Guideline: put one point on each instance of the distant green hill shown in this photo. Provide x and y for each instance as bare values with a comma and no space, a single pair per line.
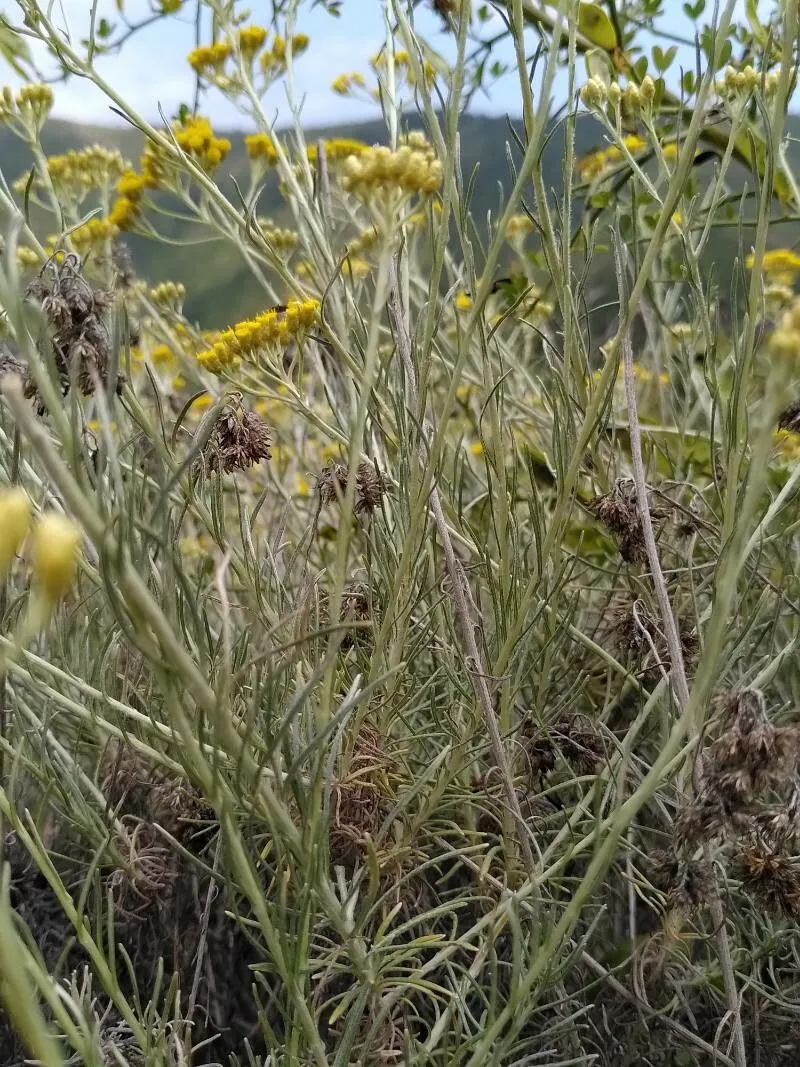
219,283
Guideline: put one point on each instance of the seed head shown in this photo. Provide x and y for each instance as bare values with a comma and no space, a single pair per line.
240,439
772,876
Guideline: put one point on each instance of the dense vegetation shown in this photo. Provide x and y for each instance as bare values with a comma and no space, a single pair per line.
398,539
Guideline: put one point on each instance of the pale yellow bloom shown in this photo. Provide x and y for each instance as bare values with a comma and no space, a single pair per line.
15,513
54,554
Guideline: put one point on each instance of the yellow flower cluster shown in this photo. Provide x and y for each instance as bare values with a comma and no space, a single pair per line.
366,239
32,104
597,163
785,341
251,39
209,57
343,84
275,327
54,544
408,169
76,172
15,507
633,99
338,149
746,81
27,257
282,240
54,554
91,234
779,263
168,294
260,146
195,136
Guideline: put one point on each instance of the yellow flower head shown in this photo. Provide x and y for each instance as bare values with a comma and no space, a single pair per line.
54,554
196,137
251,39
15,514
209,57
27,257
124,213
343,84
260,146
338,149
596,163
780,263
272,329
407,170
92,233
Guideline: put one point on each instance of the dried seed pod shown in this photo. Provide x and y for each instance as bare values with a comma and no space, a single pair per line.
772,876
240,439
369,490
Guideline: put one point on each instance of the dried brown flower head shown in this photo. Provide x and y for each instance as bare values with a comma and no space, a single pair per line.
332,482
750,755
240,439
576,739
619,515
118,1043
75,312
149,872
702,820
358,801
370,488
369,491
618,511
356,608
687,883
772,876
357,614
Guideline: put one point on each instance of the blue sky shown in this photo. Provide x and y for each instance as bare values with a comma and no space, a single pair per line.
151,69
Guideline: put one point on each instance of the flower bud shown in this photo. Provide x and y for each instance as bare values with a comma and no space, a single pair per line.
54,558
15,513
593,93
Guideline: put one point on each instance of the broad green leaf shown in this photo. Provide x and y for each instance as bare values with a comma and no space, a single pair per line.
595,24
